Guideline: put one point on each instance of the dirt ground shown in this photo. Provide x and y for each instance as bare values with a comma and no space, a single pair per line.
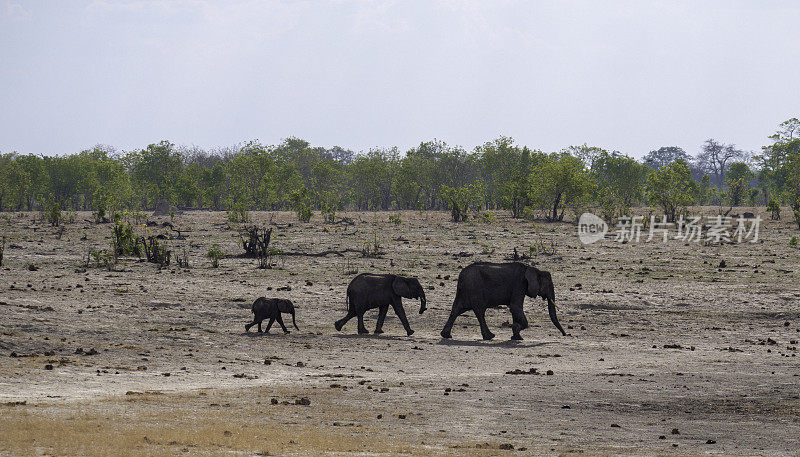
669,352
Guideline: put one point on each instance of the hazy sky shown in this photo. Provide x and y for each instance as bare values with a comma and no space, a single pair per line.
624,75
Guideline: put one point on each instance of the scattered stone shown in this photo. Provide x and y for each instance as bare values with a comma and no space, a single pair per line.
518,371
615,426
711,442
274,401
379,416
662,437
401,416
549,372
244,376
302,401
48,367
506,447
675,431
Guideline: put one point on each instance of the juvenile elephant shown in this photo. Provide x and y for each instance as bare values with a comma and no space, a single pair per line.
271,308
488,285
367,291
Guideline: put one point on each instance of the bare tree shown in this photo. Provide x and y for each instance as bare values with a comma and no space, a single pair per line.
716,157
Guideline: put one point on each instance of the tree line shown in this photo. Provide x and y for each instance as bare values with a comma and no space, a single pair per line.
499,174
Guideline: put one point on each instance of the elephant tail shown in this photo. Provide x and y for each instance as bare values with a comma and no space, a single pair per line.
293,322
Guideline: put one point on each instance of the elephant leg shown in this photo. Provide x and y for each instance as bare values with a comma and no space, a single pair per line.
271,321
520,321
381,316
401,313
247,326
340,323
280,321
361,328
448,326
480,313
259,327
458,309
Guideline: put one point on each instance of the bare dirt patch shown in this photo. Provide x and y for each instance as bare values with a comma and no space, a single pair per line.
156,362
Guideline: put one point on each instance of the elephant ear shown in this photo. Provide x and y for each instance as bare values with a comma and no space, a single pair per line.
532,277
400,287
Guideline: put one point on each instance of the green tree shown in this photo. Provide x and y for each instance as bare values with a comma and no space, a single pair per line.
672,188
505,170
560,181
372,178
781,162
156,171
738,182
620,182
461,199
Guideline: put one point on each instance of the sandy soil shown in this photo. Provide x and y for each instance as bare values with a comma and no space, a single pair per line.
668,353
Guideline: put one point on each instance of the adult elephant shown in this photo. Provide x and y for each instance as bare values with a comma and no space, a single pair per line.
488,285
367,291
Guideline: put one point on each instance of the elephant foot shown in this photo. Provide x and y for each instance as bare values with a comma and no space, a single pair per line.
488,336
338,326
246,328
286,332
378,331
363,331
410,332
516,337
446,334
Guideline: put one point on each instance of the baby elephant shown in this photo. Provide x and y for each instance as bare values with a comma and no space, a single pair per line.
271,308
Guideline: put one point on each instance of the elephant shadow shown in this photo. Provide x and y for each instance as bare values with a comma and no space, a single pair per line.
272,334
496,344
372,336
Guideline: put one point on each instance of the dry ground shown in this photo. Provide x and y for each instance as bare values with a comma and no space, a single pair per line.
669,354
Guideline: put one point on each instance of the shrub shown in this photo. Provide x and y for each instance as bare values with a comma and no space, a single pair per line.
304,213
214,254
774,208
395,219
123,240
256,244
156,252
53,214
102,259
238,213
2,248
183,258
372,248
793,242
487,217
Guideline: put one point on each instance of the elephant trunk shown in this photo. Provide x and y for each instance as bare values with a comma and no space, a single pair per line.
551,308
